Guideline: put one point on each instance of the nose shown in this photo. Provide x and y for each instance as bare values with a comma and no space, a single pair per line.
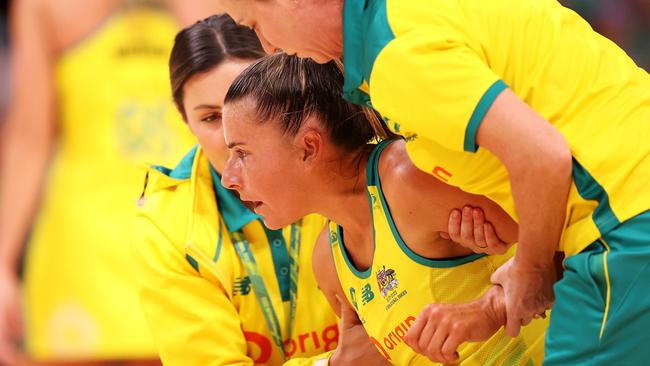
268,47
231,176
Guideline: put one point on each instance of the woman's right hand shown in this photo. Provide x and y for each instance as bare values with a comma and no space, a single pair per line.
469,228
10,317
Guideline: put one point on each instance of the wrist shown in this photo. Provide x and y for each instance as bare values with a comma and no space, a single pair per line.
533,261
494,305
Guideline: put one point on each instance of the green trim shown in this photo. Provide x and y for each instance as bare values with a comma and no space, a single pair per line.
360,274
192,262
369,178
374,179
281,260
261,293
234,213
366,32
259,287
479,113
217,251
184,169
590,189
373,160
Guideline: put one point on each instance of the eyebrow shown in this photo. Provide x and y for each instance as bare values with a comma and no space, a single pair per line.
207,106
235,143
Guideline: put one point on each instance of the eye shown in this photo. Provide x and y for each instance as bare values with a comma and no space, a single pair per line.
241,153
211,117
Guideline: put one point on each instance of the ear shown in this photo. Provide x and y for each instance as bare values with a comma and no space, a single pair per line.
309,145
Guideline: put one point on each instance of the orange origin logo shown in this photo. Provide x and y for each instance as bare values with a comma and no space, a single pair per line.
442,174
324,341
395,337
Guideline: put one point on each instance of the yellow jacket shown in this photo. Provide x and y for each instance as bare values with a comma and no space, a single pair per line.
195,291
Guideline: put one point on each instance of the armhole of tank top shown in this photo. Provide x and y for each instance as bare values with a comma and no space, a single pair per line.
374,178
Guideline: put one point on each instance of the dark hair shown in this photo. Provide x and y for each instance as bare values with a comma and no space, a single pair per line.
206,44
290,89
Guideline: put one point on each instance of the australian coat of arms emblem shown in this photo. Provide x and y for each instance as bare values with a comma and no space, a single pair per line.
387,280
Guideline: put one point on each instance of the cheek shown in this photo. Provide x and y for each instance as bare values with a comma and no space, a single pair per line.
281,34
207,140
266,177
213,142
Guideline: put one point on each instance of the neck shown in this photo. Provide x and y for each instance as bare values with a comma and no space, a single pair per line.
343,197
330,31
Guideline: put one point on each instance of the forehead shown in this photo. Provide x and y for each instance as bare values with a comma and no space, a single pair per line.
241,123
240,119
210,87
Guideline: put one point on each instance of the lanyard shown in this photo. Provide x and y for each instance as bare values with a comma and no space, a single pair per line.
257,282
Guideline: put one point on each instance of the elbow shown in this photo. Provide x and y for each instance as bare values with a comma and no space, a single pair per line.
560,159
549,161
552,164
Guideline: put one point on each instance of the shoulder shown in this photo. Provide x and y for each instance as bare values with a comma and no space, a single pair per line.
312,227
164,205
167,196
398,173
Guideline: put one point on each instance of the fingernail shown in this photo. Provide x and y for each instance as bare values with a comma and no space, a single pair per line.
466,210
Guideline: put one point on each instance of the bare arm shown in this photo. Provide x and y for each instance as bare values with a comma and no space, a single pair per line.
29,129
538,160
28,134
325,271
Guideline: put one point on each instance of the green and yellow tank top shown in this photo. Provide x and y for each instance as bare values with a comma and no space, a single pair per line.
399,283
115,115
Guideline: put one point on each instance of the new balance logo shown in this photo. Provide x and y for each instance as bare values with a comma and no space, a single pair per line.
242,286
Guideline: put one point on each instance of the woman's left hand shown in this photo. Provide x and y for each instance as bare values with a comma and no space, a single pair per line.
469,228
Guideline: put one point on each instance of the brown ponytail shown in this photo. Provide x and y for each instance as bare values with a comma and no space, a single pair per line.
290,89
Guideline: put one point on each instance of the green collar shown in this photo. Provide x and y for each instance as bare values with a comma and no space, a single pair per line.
353,39
365,33
232,210
183,170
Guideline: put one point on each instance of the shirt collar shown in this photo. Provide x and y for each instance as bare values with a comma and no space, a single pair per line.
353,49
234,213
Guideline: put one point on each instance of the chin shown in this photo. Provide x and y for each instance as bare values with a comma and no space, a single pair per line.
321,59
274,225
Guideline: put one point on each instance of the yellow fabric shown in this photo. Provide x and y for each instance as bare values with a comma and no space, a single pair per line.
431,77
388,307
197,317
115,113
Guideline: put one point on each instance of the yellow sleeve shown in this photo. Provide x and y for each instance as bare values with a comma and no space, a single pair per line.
192,320
431,83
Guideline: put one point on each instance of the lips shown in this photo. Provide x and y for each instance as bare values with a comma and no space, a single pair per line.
252,205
